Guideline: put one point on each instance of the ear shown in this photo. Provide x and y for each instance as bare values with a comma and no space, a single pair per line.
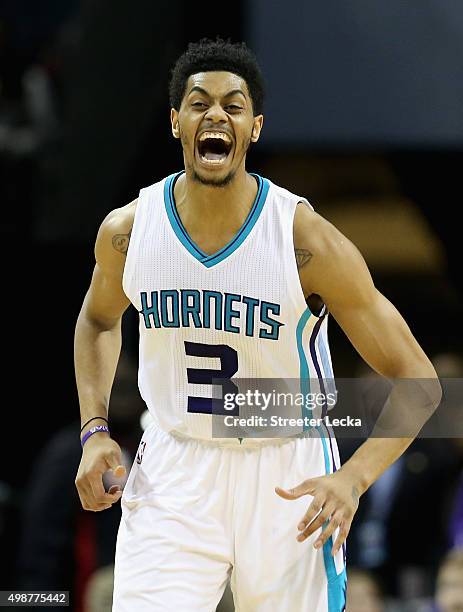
257,127
174,123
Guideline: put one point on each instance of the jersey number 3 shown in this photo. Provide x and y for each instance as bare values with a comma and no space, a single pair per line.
206,376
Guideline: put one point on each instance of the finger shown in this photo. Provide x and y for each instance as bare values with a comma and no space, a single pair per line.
114,463
114,489
119,471
98,493
342,536
90,503
84,492
81,497
99,508
333,524
321,519
312,511
86,498
303,488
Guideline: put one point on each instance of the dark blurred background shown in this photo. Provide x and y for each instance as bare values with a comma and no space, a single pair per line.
364,117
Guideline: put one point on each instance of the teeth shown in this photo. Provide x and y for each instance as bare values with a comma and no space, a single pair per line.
219,135
212,162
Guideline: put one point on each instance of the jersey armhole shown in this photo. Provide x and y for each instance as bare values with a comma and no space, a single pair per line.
129,264
324,310
304,201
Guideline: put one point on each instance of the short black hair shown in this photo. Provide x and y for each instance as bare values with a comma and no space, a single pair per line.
209,55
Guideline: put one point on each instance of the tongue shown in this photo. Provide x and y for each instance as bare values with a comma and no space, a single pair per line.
214,156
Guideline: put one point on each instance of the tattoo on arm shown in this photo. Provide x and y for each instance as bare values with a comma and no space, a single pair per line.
302,257
121,242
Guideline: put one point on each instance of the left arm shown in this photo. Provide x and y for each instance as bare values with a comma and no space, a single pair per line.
337,272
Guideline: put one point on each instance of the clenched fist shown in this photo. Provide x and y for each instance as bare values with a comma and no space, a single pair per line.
100,454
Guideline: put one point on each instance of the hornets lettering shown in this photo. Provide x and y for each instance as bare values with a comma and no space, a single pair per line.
228,312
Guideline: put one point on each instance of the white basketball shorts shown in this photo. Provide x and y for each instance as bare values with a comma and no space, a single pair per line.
196,514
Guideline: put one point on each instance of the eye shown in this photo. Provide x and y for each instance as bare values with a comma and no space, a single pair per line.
233,107
198,105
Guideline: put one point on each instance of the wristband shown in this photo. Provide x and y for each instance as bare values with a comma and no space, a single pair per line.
93,430
90,420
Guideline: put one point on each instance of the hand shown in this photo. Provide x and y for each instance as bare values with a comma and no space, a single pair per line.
100,454
335,500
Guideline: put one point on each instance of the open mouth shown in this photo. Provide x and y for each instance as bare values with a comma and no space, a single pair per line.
214,147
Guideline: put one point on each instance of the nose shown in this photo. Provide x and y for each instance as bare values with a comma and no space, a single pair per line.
216,114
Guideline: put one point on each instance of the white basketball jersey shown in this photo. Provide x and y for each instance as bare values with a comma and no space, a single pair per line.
239,313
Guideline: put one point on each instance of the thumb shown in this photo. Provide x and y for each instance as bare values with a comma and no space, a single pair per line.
119,471
304,488
114,461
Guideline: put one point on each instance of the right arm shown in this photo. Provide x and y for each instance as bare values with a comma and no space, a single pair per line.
96,353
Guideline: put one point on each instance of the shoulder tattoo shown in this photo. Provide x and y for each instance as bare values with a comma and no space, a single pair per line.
121,242
302,257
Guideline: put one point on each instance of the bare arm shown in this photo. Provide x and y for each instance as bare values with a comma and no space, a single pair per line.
98,329
338,273
335,270
96,352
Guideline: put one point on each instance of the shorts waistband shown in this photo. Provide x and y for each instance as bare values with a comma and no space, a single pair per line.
237,443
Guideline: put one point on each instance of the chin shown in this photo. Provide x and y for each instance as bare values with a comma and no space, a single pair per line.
213,181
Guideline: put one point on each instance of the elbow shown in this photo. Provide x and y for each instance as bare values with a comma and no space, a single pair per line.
430,387
435,393
89,320
421,376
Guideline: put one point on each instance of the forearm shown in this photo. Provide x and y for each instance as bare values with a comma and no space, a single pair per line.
96,353
373,457
408,407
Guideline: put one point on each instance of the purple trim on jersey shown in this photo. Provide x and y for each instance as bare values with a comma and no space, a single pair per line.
331,447
313,353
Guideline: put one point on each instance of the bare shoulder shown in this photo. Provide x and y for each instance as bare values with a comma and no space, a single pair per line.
326,258
113,237
315,236
117,226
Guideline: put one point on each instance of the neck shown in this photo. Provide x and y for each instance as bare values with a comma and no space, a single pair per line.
215,208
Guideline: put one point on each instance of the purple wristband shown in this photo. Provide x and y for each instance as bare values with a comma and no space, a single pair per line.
93,430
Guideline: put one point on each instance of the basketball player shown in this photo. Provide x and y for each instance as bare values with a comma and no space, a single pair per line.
232,276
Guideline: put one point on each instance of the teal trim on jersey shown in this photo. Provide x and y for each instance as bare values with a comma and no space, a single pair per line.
247,226
304,373
175,219
336,582
211,260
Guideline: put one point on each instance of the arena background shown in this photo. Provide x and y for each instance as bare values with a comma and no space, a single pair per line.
364,117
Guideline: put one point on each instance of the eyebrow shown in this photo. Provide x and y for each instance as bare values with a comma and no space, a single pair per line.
227,95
